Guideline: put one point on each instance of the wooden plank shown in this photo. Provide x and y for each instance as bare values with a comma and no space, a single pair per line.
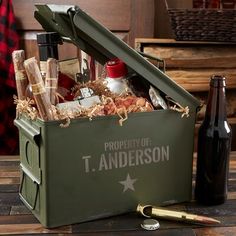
67,51
12,161
10,174
231,195
20,210
29,45
32,228
9,180
9,163
174,232
227,221
166,41
117,223
233,159
232,185
18,219
122,20
6,167
138,7
9,170
226,209
9,158
219,231
198,80
9,188
4,210
125,223
10,199
196,56
110,229
100,10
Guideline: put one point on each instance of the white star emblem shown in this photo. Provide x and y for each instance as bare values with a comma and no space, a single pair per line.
128,183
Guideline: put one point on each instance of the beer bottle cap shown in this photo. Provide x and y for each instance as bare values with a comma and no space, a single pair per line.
150,224
217,81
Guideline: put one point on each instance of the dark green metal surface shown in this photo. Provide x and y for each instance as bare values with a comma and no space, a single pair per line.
96,40
94,169
82,166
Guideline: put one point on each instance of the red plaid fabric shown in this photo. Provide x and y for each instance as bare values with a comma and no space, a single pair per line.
9,41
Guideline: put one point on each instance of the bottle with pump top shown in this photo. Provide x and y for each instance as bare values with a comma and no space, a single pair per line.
214,144
48,48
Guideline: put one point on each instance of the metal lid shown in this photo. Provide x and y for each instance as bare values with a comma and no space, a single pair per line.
76,26
150,224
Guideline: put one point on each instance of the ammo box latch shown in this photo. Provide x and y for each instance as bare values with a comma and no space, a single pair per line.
35,181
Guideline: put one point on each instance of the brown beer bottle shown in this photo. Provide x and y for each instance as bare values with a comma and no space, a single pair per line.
214,143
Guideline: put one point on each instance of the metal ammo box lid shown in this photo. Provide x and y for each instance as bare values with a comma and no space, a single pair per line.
94,169
76,26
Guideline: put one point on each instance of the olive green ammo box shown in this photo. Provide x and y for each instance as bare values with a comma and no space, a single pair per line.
95,169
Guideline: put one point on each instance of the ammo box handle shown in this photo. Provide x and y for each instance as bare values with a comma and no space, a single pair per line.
35,180
32,133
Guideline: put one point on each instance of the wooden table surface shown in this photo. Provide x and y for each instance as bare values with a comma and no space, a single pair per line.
16,219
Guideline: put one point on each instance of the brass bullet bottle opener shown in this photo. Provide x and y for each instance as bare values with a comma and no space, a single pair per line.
162,213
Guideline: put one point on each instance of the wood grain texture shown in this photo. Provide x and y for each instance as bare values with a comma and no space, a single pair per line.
170,41
191,64
18,219
120,9
32,229
216,231
119,16
9,188
15,218
20,210
5,210
197,56
198,80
